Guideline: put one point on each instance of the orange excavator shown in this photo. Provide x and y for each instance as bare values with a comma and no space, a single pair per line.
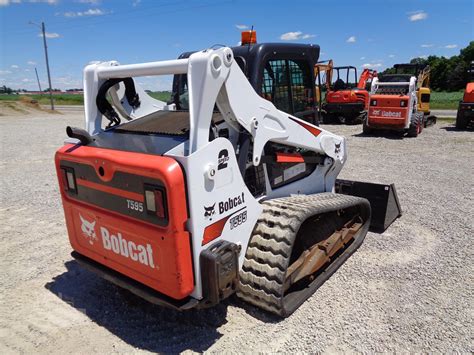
346,99
465,113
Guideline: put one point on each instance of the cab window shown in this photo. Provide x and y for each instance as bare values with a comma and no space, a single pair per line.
287,83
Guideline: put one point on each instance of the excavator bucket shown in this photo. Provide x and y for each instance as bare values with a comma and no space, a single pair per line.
383,201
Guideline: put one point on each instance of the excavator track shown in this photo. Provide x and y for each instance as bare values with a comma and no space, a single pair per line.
309,235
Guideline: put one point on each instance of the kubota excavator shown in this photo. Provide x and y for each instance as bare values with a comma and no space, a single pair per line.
346,99
185,207
465,114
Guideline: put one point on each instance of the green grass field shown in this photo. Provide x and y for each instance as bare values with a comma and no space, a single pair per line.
439,100
70,99
445,100
62,99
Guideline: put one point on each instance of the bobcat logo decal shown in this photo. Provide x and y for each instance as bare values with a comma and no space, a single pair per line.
209,211
338,148
88,229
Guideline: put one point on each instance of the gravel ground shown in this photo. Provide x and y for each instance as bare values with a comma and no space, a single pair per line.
409,289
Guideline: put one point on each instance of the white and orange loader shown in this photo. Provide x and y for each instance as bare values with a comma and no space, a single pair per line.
393,105
160,204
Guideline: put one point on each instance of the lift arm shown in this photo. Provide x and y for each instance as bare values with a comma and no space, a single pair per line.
365,76
214,78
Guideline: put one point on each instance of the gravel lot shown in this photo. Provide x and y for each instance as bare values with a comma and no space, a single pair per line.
409,289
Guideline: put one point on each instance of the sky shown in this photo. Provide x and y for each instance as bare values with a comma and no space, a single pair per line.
363,33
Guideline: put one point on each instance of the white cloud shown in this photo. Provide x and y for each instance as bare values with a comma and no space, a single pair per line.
429,45
418,15
135,3
90,12
30,62
242,27
25,80
14,66
50,2
362,58
371,65
5,72
451,46
8,2
351,39
50,35
293,36
391,55
90,2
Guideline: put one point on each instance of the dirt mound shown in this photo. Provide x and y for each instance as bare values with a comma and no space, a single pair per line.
22,107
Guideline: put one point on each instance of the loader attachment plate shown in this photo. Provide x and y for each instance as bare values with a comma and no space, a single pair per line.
383,200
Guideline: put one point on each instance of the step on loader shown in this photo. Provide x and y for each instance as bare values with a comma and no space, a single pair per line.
187,207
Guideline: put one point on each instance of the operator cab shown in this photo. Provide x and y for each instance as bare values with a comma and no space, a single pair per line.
345,78
279,72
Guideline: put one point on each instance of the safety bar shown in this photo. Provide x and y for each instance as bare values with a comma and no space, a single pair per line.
167,67
393,84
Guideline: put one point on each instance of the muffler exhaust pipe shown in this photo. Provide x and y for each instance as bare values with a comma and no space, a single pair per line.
80,134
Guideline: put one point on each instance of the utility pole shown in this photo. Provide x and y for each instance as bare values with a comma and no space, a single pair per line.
43,30
47,66
37,79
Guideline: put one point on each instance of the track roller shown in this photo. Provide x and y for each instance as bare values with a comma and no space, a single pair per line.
297,244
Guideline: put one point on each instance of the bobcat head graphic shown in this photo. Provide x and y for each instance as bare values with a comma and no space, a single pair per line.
338,148
88,229
209,211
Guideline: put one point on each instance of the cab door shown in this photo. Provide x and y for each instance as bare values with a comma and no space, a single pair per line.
289,84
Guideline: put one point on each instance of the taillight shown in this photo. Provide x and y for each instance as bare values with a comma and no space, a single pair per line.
373,102
155,201
69,179
403,103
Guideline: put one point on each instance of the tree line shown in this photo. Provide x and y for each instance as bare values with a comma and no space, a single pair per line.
447,74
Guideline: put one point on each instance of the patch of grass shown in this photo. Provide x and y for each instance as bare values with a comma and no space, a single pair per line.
161,95
439,100
9,97
70,99
61,99
445,100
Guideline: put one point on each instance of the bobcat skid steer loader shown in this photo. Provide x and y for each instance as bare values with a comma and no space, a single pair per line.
185,208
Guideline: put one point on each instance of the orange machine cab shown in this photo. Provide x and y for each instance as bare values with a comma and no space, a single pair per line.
353,96
469,93
128,212
388,111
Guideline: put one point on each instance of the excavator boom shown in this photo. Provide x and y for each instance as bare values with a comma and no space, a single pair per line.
365,76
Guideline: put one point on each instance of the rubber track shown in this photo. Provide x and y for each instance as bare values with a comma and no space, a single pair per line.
268,255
